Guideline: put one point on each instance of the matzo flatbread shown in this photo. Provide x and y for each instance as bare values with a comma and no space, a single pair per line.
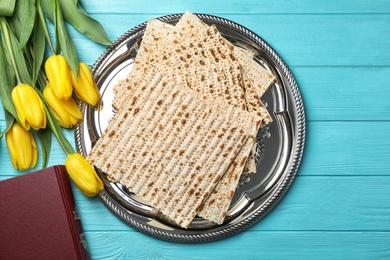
256,107
195,55
183,50
221,48
154,39
170,146
258,78
152,46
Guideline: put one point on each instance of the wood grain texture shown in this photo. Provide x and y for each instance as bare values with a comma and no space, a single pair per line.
337,206
339,148
248,245
344,93
239,6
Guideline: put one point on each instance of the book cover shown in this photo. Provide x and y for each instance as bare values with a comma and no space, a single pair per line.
38,217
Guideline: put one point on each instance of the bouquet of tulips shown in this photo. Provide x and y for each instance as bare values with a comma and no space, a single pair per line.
40,91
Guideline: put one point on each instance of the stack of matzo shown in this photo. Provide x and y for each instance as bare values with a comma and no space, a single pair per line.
187,116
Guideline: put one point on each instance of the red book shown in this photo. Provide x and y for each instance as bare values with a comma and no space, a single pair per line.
38,217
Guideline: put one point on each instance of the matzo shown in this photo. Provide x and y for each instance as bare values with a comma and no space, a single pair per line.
152,45
260,78
154,42
191,30
217,205
198,58
195,55
220,50
255,78
171,147
252,75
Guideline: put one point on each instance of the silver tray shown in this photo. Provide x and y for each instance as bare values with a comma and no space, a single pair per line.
279,149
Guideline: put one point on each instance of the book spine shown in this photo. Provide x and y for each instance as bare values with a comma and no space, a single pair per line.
72,213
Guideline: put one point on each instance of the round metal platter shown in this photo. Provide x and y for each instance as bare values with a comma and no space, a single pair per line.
279,145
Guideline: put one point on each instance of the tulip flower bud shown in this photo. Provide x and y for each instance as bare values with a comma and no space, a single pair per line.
85,85
59,75
83,175
65,111
29,107
22,147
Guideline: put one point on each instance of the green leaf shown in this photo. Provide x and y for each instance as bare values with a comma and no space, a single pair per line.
13,54
26,12
7,7
7,82
57,131
50,11
9,121
75,15
66,42
45,138
42,19
20,60
14,23
38,49
50,7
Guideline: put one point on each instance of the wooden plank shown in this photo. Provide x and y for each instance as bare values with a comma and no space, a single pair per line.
246,7
347,149
248,245
331,148
301,40
322,203
333,203
340,93
344,93
325,96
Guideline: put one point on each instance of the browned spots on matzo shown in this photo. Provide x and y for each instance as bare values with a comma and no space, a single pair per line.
243,160
136,110
112,133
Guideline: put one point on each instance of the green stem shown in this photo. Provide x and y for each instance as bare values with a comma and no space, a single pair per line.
64,143
55,127
42,80
4,28
43,20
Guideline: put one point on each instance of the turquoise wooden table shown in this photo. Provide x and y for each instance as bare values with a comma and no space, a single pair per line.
338,206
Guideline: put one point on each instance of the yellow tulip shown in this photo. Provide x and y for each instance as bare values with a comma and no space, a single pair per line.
29,107
59,75
22,147
83,175
65,111
85,85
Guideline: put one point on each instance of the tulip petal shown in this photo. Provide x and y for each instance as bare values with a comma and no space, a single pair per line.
29,107
85,85
59,75
65,111
22,147
83,174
